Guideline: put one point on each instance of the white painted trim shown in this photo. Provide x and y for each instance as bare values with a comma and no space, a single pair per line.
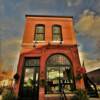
39,41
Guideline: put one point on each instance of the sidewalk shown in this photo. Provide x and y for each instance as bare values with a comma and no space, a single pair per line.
94,98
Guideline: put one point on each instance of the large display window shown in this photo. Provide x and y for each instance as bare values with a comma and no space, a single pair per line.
59,74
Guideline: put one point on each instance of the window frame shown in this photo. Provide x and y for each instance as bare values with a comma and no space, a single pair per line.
36,26
28,67
31,58
60,34
58,68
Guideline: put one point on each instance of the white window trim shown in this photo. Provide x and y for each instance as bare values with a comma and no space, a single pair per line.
56,41
39,41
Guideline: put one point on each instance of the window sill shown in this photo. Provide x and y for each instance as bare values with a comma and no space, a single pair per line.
39,41
56,42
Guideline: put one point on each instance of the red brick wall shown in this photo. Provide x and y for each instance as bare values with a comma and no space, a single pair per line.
68,33
68,47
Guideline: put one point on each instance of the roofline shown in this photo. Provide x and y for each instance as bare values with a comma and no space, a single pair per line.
48,16
93,70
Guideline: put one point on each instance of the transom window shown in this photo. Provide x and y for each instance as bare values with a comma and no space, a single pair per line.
30,62
57,34
40,32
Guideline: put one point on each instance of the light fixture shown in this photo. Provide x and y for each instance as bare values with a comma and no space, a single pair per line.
60,42
48,43
34,45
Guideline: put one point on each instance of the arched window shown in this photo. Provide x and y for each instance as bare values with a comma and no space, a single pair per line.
39,32
59,74
57,33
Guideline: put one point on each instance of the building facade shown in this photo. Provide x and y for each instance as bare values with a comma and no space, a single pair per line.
49,58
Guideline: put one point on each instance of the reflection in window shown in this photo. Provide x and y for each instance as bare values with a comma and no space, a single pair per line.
28,78
59,74
31,70
40,33
57,34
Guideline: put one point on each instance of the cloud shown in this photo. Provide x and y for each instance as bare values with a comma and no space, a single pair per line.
73,2
90,64
10,50
10,27
96,6
82,55
1,64
2,8
32,6
88,25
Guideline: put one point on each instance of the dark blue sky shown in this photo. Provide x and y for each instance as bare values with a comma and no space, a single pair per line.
86,14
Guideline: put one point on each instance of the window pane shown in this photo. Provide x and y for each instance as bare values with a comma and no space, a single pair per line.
57,77
58,60
53,80
29,62
39,37
36,62
57,37
56,29
28,79
31,76
57,33
40,29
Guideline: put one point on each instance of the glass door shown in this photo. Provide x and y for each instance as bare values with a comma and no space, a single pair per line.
29,86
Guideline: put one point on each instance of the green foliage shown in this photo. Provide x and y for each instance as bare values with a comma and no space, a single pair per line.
8,95
75,97
81,94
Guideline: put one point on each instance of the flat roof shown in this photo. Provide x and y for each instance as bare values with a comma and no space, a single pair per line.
49,16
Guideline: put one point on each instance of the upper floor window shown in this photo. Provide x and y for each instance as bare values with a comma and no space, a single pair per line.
57,33
39,32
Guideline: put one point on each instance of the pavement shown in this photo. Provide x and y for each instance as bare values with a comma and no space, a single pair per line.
94,98
89,98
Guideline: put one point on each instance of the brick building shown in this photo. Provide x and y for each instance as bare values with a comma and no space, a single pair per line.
49,58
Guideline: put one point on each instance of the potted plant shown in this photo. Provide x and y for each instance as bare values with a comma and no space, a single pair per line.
81,94
80,72
8,94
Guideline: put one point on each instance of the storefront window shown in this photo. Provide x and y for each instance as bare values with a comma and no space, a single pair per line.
59,74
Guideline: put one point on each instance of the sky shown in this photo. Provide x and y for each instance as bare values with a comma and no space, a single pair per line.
86,16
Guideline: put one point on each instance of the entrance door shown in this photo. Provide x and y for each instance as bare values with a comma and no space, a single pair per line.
30,80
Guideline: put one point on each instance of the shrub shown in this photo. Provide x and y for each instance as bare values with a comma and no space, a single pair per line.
81,94
75,97
8,94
